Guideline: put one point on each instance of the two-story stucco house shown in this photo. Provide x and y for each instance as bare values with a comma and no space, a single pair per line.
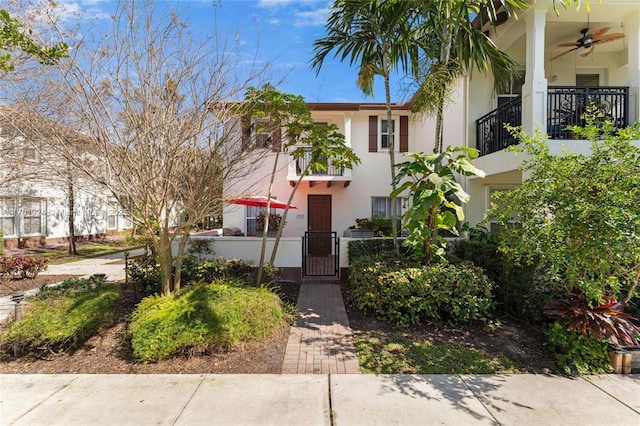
568,60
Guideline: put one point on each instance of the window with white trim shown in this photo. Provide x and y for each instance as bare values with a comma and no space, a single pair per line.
7,216
32,209
112,217
384,133
381,207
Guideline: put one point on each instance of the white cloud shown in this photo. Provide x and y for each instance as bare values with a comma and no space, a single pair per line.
275,3
90,8
317,17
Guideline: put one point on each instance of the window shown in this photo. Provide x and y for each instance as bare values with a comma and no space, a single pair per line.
32,216
263,138
379,134
491,201
252,214
22,216
384,133
381,207
514,90
7,216
590,80
258,134
112,216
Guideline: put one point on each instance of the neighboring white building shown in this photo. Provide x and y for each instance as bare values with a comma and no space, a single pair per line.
547,96
34,192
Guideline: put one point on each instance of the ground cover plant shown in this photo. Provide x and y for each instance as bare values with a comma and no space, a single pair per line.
63,317
381,354
204,317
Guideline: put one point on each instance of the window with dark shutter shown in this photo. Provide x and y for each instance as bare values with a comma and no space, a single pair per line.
404,133
373,133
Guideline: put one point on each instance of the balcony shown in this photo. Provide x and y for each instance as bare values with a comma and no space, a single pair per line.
565,107
490,132
332,174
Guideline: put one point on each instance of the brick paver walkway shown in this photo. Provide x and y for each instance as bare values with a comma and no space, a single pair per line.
320,342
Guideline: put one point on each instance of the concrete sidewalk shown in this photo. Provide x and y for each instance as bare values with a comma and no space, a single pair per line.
301,399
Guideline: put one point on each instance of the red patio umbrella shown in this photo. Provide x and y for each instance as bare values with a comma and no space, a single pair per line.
259,201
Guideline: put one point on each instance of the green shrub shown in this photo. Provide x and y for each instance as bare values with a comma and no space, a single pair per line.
576,353
403,294
521,291
206,316
63,317
144,273
366,247
223,269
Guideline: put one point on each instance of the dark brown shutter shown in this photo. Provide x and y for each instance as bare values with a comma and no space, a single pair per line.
246,133
404,133
276,138
373,133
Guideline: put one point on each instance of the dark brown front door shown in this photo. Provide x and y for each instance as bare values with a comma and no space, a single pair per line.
319,222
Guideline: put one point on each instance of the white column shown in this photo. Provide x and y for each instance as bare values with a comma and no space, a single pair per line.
632,28
347,138
534,90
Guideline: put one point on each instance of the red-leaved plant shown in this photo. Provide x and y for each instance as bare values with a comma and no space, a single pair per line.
605,322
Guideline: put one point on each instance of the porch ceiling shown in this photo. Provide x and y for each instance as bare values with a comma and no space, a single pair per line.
565,27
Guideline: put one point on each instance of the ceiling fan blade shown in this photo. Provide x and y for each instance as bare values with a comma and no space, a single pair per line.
574,44
588,52
563,53
600,32
609,38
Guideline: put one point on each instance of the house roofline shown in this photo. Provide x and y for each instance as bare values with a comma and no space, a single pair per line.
356,106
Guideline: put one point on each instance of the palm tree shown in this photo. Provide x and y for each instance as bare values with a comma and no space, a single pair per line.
452,45
376,35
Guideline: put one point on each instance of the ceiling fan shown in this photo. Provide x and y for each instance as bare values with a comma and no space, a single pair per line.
589,41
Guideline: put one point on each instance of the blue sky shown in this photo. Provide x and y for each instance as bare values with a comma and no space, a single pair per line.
280,31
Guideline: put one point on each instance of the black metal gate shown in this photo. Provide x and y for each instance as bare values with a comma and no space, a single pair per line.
320,254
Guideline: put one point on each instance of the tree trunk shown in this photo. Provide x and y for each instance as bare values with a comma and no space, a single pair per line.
392,159
266,222
177,273
165,261
72,217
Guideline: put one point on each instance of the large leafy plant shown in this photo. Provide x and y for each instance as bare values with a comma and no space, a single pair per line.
436,197
578,214
604,322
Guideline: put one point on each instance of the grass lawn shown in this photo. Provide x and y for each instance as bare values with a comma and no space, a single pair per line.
86,249
392,355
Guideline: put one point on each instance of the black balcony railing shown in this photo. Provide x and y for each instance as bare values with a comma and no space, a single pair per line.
566,106
490,132
301,165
